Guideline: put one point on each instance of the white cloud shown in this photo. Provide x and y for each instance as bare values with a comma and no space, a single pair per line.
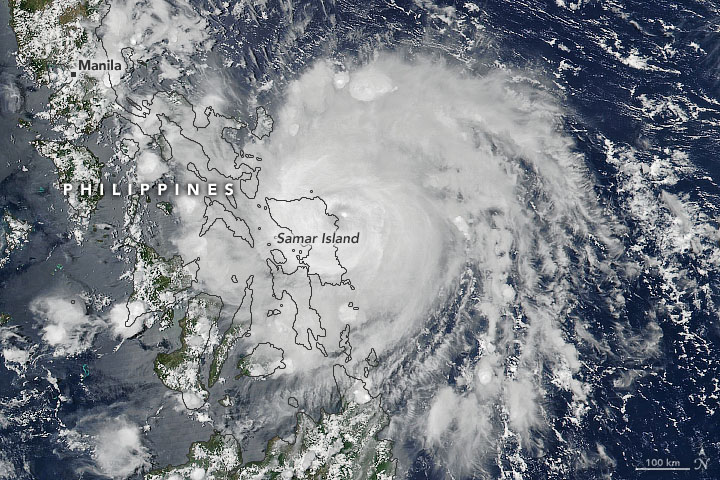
459,427
16,356
15,350
152,29
118,448
7,469
445,175
65,324
69,329
117,317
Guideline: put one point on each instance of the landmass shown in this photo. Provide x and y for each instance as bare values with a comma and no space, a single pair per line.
13,235
180,370
339,446
157,282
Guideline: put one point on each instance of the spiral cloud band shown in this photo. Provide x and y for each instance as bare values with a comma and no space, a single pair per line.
462,195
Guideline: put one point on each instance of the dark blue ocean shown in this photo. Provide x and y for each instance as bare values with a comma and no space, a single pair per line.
638,75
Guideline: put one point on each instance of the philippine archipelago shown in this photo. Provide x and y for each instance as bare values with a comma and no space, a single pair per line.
359,239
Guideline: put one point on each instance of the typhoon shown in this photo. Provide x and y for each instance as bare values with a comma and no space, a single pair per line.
477,214
479,228
338,240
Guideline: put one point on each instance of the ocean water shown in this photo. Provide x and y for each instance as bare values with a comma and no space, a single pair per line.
582,318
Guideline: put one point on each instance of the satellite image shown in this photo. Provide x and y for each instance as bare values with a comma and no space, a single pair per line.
369,239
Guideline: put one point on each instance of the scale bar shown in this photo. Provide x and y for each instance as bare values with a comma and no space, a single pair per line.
658,469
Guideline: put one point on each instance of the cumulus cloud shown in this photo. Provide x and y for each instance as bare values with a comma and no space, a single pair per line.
118,448
136,31
447,429
16,351
114,444
117,317
7,469
69,328
66,326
